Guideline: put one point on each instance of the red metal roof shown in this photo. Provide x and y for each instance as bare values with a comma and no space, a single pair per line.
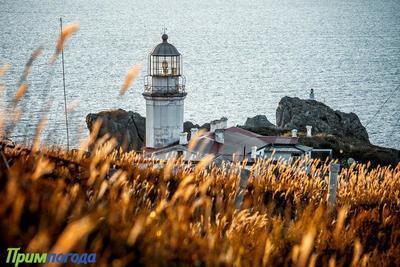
274,140
279,140
238,141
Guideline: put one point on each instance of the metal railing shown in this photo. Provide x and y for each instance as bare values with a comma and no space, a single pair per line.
178,88
149,89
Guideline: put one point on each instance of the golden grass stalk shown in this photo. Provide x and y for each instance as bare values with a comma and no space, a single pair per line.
35,54
22,89
130,78
74,233
306,248
66,34
136,230
4,69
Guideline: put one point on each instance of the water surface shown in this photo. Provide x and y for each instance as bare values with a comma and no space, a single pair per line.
240,57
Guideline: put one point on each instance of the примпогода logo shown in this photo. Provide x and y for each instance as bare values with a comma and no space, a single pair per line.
15,257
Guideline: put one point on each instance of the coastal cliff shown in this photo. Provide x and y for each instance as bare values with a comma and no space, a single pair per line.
127,127
296,113
332,129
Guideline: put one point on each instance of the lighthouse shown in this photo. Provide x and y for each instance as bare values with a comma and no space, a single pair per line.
164,92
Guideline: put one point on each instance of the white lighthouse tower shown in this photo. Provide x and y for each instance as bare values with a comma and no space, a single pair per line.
164,91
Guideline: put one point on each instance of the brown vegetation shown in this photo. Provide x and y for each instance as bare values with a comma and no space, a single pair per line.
129,210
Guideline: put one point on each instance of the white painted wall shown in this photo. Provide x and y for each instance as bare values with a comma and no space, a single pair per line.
164,120
278,155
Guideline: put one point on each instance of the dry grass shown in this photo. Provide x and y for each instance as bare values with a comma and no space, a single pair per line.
129,78
66,34
129,210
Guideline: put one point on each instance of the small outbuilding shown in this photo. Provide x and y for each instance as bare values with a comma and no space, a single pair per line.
234,144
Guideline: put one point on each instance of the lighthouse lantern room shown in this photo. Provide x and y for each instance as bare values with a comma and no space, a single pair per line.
164,91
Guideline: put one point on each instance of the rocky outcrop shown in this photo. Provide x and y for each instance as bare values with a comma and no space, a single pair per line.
127,127
344,148
258,121
295,113
267,131
187,125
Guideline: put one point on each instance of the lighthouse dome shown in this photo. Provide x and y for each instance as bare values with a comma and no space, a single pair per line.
165,48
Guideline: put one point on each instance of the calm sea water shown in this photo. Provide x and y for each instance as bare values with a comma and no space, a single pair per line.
240,58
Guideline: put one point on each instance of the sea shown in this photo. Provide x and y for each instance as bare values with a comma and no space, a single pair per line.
239,59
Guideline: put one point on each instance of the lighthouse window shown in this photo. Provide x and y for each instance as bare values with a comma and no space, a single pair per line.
164,65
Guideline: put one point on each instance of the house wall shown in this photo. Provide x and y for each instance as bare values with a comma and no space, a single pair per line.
277,155
174,154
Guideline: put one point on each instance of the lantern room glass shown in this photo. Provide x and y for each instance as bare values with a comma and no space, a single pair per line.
165,65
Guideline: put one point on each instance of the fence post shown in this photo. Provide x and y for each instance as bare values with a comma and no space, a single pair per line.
243,179
333,183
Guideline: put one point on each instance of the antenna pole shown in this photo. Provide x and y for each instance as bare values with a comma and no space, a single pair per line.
65,95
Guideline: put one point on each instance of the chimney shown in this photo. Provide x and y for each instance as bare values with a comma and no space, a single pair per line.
219,136
254,152
218,124
294,133
183,138
309,128
193,132
224,122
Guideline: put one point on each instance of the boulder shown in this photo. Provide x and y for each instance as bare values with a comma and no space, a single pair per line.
258,121
187,125
295,113
127,127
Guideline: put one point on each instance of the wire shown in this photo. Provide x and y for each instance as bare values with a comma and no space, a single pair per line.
380,108
395,126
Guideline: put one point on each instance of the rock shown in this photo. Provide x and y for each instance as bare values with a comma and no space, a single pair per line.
345,147
205,126
293,112
128,128
267,131
187,125
258,121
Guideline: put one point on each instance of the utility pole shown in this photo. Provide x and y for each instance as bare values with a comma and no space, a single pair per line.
65,95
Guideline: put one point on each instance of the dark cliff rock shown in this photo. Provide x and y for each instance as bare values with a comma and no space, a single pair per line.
258,121
187,125
343,148
127,127
268,131
347,147
293,112
332,129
